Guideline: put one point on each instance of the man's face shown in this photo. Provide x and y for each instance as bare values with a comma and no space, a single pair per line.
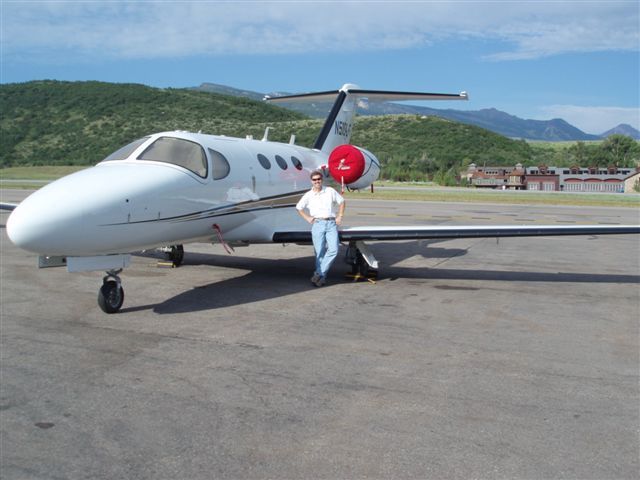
316,181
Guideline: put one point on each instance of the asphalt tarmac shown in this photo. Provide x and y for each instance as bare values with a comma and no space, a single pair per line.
466,359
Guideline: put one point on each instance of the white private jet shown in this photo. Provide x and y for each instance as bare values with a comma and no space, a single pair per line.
171,188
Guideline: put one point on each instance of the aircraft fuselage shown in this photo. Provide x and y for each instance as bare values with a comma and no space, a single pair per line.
133,204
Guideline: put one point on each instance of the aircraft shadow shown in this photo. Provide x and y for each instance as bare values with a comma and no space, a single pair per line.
500,275
274,278
390,256
269,278
266,278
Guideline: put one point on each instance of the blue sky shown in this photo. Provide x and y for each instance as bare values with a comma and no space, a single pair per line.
577,60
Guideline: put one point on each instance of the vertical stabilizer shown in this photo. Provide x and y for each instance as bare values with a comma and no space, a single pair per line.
337,127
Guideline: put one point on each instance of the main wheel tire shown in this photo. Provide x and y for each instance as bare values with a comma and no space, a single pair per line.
176,255
361,267
110,297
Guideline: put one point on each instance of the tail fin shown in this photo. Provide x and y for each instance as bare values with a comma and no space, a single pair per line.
338,125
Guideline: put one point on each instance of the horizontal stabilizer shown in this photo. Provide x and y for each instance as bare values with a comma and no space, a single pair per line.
390,96
336,130
372,95
328,96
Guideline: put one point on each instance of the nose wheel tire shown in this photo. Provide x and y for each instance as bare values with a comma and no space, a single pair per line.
110,296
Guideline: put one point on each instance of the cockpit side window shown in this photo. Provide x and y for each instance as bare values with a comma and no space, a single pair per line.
177,151
219,165
124,152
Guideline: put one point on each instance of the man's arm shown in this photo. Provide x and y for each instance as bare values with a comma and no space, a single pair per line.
302,205
304,215
340,213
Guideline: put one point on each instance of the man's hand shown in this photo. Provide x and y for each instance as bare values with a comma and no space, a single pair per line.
339,220
307,218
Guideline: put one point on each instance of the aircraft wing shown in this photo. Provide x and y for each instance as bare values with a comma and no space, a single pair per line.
459,231
7,206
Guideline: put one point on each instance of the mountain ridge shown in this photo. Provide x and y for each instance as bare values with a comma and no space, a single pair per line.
622,129
497,121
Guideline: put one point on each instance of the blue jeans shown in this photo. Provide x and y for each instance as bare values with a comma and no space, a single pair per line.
324,234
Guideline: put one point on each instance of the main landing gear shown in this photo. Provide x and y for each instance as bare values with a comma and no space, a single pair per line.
111,294
363,263
174,253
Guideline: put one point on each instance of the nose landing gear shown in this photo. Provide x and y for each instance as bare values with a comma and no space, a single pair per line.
111,294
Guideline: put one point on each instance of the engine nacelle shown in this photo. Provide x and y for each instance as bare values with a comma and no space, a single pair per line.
353,166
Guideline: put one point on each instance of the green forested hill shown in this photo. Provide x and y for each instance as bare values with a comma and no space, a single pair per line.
80,123
50,122
411,145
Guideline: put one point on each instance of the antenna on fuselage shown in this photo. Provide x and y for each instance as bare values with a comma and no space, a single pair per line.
266,134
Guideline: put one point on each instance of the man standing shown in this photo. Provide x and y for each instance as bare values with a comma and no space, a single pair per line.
321,202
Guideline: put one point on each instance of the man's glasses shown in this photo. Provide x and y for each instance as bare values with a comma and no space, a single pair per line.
316,179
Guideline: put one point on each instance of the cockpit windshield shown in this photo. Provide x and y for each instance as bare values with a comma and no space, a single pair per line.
177,151
124,152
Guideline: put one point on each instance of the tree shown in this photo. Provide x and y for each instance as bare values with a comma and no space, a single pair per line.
578,153
620,149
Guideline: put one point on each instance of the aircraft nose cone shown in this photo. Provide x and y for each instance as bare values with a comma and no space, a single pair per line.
48,220
16,230
62,217
87,212
28,226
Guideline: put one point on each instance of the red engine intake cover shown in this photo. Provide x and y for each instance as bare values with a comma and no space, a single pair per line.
346,164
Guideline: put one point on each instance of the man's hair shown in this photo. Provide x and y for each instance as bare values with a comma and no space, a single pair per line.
316,172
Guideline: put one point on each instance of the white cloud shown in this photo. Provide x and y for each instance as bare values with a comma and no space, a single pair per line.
551,28
594,120
174,29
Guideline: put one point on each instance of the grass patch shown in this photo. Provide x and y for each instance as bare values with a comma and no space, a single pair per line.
21,185
439,194
37,173
392,183
562,145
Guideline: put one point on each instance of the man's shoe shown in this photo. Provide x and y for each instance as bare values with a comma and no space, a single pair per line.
315,277
320,281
